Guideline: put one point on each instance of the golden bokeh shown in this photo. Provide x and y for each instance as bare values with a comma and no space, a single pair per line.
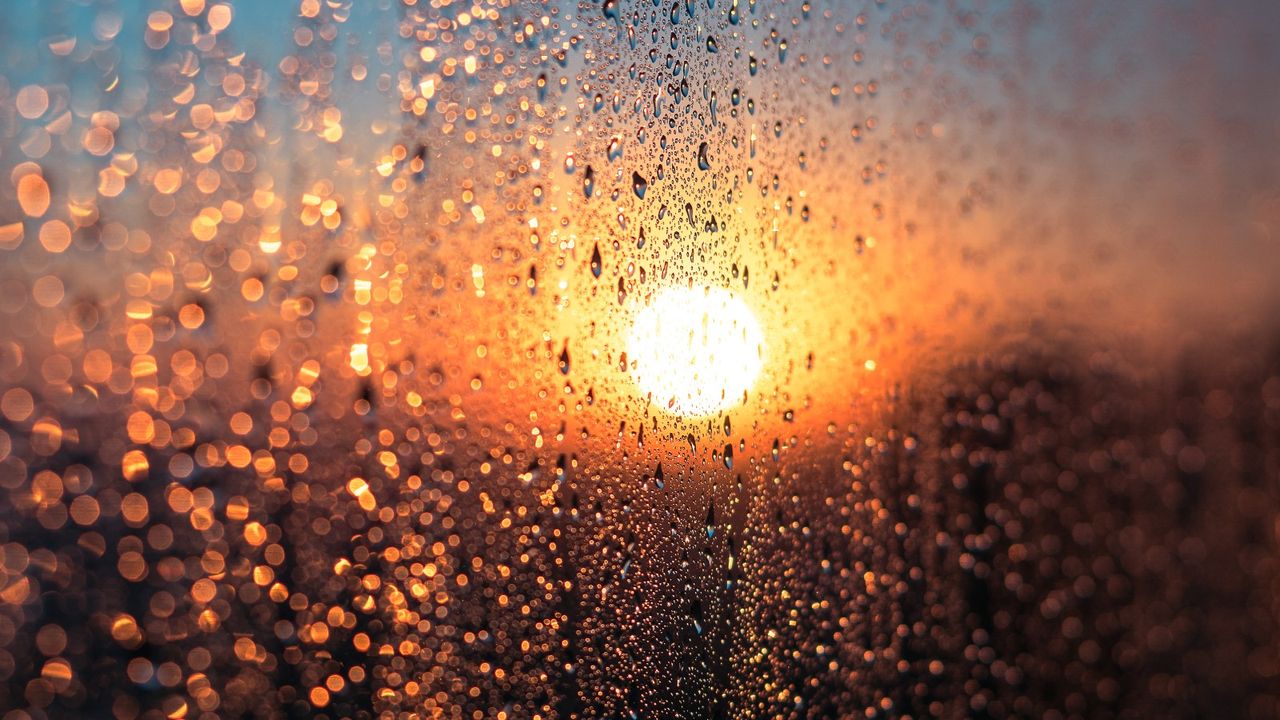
633,359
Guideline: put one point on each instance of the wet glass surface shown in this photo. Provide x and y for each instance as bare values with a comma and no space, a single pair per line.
635,359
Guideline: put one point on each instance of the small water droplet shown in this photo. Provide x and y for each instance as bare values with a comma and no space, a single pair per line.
563,363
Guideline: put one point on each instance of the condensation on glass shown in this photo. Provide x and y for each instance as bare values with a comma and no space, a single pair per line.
638,359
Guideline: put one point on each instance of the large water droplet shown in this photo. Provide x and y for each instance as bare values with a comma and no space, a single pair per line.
639,185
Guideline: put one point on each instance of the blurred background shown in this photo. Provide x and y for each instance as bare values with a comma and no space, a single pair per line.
639,359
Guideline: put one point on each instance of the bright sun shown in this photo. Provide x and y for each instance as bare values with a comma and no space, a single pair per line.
695,351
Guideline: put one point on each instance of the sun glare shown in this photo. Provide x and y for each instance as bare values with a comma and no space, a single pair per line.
695,351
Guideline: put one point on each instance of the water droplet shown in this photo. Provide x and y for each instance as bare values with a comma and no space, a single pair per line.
563,363
639,185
